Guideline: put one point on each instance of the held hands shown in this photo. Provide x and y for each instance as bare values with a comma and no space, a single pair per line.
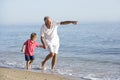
45,46
41,46
75,22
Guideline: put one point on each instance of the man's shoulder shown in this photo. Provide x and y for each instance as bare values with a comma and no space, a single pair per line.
55,23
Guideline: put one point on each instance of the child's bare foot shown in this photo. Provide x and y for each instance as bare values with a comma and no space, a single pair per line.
29,67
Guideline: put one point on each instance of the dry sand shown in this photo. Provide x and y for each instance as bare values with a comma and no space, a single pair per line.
12,74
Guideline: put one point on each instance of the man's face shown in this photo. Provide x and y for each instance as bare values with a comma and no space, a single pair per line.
48,22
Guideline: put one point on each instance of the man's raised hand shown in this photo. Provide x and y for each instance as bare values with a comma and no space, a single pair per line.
75,22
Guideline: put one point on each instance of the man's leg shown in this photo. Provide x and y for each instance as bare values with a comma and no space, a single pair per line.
54,59
46,59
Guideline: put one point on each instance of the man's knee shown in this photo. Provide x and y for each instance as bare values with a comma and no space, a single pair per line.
52,54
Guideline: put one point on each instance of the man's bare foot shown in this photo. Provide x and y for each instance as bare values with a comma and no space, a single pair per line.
43,65
53,68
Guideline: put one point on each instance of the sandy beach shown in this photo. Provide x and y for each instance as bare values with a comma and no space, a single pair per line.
12,74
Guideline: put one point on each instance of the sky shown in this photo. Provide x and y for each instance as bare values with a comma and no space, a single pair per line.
84,11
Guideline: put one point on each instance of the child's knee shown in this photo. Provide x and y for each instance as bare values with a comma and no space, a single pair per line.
31,61
28,61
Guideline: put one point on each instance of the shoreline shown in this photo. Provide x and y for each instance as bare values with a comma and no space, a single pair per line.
14,74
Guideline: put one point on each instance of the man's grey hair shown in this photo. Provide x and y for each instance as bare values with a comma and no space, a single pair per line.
46,17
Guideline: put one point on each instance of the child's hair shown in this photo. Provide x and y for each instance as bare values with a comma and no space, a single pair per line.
33,35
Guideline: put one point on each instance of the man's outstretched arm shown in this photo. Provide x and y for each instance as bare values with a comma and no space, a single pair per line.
68,22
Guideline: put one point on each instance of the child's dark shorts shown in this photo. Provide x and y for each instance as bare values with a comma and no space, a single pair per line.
28,58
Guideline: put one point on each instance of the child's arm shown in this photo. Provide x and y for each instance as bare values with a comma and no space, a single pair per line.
23,48
38,45
41,46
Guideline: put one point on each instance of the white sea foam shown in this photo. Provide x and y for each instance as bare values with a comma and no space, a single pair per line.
91,77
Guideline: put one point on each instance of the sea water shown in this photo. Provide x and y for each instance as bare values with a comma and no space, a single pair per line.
87,51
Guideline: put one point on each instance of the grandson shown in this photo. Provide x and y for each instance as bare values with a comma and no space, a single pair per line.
28,49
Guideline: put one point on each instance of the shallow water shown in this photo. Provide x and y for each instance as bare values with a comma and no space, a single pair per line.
87,51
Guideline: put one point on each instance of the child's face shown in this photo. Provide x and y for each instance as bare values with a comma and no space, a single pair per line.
34,39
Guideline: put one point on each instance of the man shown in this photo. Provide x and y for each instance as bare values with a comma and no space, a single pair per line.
50,39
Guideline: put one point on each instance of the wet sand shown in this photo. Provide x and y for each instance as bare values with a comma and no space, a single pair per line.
13,74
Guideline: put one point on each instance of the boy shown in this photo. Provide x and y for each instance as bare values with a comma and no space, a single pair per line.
28,49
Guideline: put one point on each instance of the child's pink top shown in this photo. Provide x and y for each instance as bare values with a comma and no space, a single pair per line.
30,46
